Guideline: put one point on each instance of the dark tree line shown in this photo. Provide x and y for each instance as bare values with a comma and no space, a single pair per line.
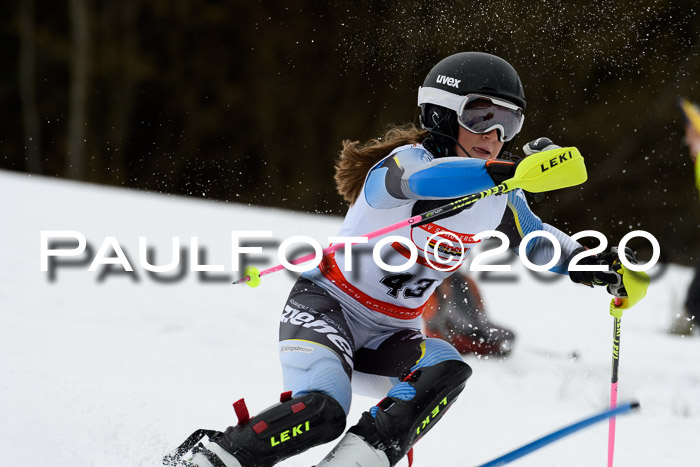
248,101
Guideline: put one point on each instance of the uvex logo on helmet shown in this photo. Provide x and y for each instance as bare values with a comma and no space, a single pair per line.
442,79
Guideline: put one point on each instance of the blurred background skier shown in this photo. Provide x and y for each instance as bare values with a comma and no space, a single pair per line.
686,321
456,313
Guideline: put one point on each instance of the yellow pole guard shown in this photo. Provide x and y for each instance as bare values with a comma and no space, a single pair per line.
636,284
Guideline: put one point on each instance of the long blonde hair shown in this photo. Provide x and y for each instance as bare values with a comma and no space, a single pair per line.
356,158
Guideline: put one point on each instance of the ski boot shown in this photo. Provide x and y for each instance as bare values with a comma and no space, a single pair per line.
386,433
285,429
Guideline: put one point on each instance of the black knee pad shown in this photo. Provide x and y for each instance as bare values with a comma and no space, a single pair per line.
284,430
412,408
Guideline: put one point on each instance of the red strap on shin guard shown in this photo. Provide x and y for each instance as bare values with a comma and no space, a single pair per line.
409,456
241,411
285,396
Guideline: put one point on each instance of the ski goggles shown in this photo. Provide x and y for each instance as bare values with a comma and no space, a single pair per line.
478,113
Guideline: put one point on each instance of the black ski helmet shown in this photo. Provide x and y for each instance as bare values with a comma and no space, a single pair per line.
461,74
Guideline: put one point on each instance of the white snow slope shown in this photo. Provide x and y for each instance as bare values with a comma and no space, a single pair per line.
118,372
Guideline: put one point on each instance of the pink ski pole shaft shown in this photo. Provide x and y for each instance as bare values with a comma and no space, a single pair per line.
613,386
332,248
415,220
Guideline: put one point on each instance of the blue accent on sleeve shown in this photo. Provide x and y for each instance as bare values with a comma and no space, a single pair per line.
529,222
451,179
388,173
527,219
375,190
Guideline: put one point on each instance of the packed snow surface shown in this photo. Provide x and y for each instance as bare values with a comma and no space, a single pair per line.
114,368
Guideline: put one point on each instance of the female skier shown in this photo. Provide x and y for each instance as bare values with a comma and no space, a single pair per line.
365,324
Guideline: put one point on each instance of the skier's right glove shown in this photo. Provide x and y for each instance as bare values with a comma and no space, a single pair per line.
500,170
611,279
539,145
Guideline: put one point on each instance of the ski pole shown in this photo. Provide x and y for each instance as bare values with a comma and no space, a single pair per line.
252,275
554,436
540,172
613,382
636,284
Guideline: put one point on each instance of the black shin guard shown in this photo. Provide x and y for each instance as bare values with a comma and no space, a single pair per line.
284,430
412,408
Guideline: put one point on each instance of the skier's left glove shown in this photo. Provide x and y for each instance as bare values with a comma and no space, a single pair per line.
611,278
539,145
501,170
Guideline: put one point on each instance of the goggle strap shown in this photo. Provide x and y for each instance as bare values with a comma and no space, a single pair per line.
428,95
439,97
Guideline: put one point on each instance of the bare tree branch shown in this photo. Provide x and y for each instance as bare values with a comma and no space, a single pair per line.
80,32
27,85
